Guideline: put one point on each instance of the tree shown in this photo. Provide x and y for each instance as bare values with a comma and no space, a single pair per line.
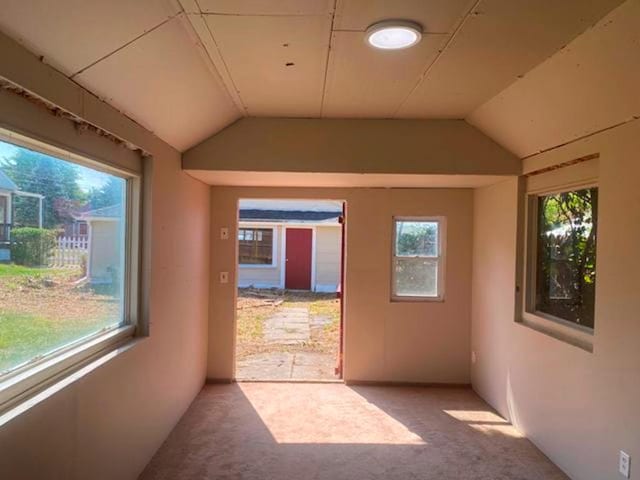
109,194
566,266
417,238
56,179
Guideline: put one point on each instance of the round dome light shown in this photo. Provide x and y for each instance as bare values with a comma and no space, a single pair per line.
393,34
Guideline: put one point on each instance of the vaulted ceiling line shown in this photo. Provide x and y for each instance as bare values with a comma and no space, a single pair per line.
125,45
441,51
326,63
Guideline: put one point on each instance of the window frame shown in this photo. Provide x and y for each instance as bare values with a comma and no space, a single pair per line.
27,380
274,237
569,177
441,259
531,267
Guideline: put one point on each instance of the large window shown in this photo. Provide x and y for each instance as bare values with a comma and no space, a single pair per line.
418,269
255,246
66,239
562,251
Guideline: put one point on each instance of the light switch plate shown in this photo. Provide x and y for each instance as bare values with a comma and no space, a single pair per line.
624,464
224,277
224,233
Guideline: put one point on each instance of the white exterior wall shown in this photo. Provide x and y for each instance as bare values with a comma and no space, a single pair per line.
328,246
104,249
5,251
326,256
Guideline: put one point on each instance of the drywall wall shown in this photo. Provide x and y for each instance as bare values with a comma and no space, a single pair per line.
108,424
352,146
384,341
580,408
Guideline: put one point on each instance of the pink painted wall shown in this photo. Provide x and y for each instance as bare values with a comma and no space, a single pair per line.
108,424
384,341
580,408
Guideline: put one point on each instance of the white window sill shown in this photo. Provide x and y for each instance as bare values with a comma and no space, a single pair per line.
256,265
405,299
575,335
27,387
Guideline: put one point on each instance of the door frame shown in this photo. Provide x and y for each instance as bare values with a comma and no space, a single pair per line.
283,256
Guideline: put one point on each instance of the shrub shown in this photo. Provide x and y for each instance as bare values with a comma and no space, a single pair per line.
32,246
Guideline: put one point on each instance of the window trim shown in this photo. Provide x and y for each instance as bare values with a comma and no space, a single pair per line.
29,379
274,236
441,259
527,315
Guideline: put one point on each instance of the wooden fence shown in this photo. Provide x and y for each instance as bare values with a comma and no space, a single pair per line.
70,251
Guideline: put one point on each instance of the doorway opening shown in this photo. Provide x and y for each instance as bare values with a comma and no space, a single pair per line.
290,277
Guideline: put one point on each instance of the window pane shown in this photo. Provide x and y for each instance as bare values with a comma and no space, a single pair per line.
416,239
62,276
566,255
256,247
416,277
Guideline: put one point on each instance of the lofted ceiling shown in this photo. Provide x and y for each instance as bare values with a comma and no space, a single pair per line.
588,87
185,69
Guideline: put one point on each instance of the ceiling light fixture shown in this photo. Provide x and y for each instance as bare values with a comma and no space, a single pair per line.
393,34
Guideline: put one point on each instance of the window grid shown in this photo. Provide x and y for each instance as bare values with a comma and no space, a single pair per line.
418,259
256,246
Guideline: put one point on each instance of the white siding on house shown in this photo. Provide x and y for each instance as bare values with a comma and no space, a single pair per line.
328,246
104,249
327,258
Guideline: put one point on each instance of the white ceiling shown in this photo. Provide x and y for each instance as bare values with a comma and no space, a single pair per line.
590,86
185,69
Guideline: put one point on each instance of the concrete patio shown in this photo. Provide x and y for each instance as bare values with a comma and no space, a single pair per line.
287,366
289,328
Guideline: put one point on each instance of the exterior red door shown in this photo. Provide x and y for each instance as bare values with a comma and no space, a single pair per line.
297,274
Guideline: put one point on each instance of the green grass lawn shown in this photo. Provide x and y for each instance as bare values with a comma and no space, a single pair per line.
42,309
11,270
24,337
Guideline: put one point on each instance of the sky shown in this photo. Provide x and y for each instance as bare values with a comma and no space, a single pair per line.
292,205
87,179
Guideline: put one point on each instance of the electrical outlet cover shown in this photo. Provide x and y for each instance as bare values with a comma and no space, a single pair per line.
624,464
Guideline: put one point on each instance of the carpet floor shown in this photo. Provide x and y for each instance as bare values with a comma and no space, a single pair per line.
333,431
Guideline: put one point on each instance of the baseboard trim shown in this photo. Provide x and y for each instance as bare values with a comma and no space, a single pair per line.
350,383
217,381
287,380
385,383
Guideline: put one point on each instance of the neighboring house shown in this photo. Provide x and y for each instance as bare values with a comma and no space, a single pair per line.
77,228
9,190
105,234
293,249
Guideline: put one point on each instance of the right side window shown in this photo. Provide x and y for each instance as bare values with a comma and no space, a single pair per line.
562,256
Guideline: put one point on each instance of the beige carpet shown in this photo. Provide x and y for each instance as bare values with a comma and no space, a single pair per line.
332,431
